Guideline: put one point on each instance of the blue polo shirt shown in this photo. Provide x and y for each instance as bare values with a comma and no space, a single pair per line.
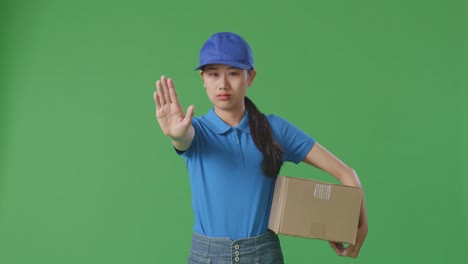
231,197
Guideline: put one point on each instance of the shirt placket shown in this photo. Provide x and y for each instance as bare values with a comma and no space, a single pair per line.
238,148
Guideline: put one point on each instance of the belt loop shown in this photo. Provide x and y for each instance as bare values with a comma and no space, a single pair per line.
256,248
207,247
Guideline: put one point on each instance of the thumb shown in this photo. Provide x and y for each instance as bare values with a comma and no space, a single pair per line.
348,250
189,115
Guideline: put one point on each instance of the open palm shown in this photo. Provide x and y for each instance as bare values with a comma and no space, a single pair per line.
171,118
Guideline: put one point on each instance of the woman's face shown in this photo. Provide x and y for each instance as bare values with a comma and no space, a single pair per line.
226,86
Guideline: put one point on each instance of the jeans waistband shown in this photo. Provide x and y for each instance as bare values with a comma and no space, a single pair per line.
265,237
247,250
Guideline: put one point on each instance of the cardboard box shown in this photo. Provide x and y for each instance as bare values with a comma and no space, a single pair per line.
314,209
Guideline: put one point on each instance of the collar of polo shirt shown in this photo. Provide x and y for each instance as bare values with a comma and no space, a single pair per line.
220,127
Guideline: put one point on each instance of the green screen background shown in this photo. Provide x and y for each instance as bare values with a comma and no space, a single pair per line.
86,175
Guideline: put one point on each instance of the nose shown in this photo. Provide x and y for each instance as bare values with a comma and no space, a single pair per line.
223,82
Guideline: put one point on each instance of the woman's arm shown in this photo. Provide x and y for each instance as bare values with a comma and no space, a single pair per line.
321,158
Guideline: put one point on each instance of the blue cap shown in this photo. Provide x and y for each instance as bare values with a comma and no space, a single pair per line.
226,48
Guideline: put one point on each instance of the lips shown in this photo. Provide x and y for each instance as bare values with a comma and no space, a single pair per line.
223,96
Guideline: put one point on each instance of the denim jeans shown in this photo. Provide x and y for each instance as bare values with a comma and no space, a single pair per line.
262,249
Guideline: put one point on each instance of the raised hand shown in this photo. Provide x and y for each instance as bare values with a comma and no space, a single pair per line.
171,118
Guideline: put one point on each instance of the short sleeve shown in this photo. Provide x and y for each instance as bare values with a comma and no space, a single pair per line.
296,143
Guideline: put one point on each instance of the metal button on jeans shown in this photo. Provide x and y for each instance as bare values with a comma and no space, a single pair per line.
236,259
236,246
236,253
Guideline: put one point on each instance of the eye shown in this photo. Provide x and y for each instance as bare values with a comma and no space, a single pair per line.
213,74
233,74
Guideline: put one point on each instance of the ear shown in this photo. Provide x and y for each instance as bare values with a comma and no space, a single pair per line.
203,78
252,76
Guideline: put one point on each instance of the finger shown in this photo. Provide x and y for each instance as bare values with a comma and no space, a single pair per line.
156,100
165,87
338,247
160,92
172,91
349,250
188,117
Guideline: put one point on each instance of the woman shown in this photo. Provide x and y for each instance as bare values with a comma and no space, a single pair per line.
234,154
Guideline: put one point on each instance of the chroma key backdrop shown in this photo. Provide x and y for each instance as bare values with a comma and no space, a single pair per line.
87,176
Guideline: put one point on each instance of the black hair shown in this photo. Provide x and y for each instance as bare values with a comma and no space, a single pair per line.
262,135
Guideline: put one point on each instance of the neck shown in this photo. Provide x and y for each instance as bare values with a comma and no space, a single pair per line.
230,117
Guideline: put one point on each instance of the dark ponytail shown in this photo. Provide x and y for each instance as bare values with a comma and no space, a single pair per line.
263,138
